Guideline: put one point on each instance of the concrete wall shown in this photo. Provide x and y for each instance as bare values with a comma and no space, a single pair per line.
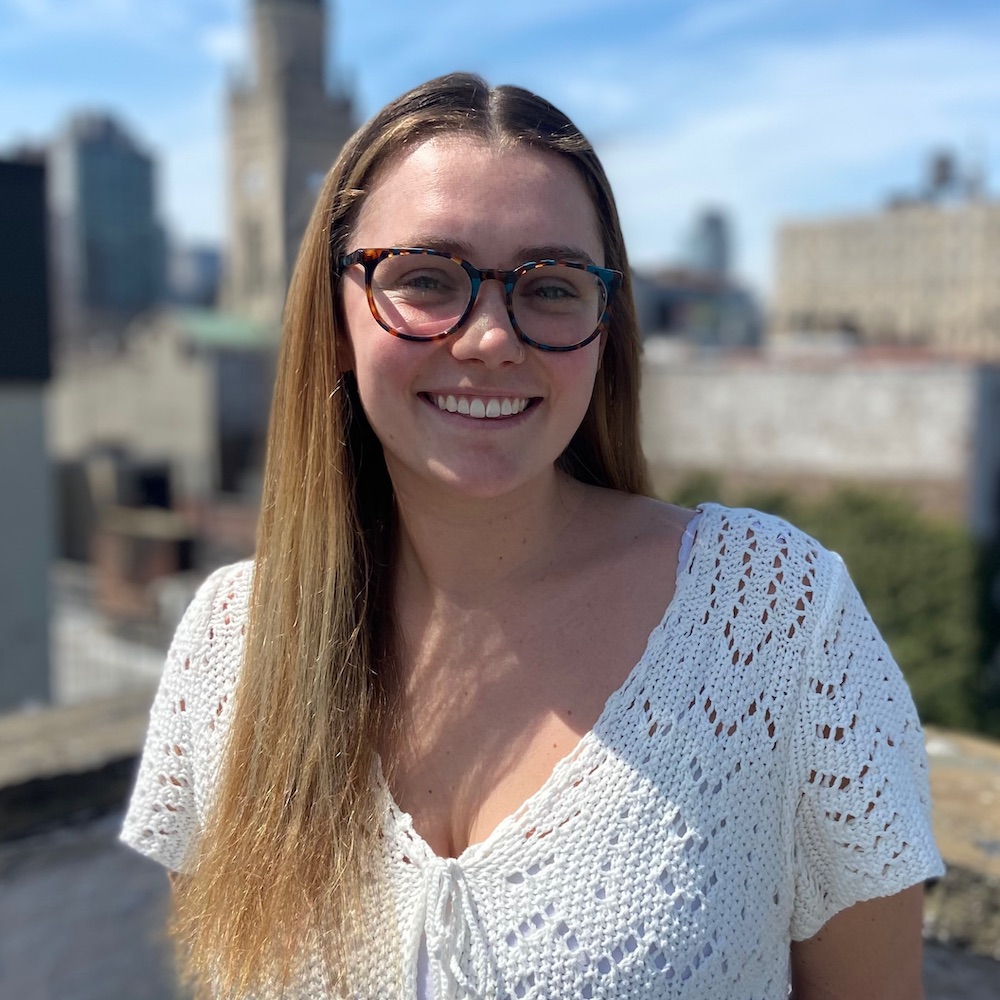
854,418
157,400
26,531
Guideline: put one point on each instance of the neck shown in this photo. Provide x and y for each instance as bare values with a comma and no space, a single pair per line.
464,549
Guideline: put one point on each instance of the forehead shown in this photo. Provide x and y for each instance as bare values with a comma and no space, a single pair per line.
492,201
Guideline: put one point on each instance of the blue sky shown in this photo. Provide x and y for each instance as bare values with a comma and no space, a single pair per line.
772,109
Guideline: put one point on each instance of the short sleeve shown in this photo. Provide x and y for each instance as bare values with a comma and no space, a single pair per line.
167,800
862,824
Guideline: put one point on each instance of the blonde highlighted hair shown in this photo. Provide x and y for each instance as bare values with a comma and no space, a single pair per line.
287,852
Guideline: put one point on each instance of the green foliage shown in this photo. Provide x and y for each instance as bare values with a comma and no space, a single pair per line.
918,580
925,583
697,488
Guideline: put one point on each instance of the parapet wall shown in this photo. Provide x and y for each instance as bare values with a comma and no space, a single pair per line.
885,421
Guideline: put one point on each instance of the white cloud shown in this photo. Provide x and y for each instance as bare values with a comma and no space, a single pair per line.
708,20
799,126
603,98
52,16
40,23
685,107
226,43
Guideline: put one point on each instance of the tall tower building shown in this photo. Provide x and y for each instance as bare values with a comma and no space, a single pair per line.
109,247
710,245
285,128
26,508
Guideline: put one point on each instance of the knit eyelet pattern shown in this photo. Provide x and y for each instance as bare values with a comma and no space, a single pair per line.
761,768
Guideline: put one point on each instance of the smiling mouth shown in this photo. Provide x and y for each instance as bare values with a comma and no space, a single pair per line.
481,408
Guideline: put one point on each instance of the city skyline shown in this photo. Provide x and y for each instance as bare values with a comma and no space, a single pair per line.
758,107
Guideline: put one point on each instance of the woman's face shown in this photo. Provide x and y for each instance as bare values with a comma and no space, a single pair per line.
496,209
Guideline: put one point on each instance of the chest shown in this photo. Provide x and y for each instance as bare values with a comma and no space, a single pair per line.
494,703
628,876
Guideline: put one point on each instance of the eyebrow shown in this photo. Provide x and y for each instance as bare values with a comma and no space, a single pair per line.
545,251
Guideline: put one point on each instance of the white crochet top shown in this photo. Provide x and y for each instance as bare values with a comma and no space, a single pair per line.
761,768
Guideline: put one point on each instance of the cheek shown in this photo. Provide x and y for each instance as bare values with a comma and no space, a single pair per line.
360,333
385,369
376,381
379,398
363,340
582,375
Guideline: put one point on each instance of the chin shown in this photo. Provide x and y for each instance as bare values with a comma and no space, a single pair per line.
487,480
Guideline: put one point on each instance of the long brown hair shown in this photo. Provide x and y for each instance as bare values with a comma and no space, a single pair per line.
286,853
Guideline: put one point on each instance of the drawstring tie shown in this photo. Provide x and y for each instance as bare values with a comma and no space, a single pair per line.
451,927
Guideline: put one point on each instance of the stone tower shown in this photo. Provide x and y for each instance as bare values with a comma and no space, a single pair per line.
285,128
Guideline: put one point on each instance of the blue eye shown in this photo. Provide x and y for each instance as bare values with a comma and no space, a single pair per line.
411,277
424,281
554,291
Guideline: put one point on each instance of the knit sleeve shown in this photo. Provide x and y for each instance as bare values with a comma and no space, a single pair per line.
862,825
165,809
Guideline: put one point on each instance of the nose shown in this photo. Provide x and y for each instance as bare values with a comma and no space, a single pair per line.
488,334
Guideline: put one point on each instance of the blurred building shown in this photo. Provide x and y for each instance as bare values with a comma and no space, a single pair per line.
189,393
194,274
108,245
285,129
908,421
26,515
697,302
696,307
158,451
710,243
921,272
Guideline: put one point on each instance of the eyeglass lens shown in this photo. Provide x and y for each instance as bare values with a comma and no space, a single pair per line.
422,296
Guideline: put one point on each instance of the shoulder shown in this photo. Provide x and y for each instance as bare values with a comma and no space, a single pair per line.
207,647
756,596
754,553
227,584
747,526
618,522
222,598
189,718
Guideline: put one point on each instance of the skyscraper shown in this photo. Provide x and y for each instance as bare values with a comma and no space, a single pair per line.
710,246
26,514
285,128
108,246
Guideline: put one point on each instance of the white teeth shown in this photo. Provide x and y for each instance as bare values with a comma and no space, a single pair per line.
481,409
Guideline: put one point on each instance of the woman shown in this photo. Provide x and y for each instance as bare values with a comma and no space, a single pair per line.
442,739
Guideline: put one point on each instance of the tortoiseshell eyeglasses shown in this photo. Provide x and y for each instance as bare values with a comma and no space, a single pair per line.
421,294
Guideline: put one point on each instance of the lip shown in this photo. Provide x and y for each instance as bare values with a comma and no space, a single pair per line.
480,407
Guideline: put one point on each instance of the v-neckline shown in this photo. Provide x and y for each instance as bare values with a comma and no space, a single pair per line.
472,852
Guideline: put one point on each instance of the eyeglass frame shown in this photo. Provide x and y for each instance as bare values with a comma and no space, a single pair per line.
370,257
